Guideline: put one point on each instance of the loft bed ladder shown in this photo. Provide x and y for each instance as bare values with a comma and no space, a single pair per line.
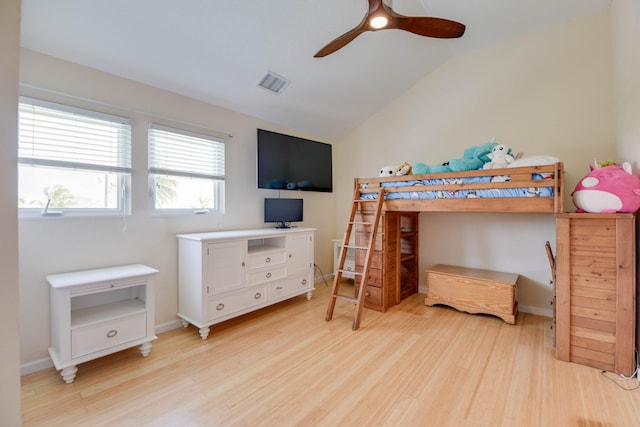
370,231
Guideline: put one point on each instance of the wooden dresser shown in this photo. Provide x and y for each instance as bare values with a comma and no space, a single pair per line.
596,290
394,268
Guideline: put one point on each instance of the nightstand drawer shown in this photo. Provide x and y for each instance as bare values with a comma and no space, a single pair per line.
92,338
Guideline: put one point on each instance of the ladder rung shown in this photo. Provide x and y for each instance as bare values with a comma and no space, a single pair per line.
351,271
348,298
355,247
360,223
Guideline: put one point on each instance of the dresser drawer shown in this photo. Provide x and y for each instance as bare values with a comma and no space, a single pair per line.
265,259
373,296
224,305
268,274
283,288
91,338
375,277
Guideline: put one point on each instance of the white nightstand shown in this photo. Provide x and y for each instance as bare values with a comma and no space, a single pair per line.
99,312
349,262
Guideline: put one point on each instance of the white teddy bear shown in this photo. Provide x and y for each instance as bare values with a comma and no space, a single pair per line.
500,157
387,171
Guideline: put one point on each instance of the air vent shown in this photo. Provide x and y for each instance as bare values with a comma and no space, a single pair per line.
274,82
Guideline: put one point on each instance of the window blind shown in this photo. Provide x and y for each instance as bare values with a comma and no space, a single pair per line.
58,135
183,153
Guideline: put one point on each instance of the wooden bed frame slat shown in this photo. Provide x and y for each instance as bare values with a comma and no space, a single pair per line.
520,177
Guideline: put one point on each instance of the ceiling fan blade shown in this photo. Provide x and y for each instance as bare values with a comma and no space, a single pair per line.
340,42
423,26
429,27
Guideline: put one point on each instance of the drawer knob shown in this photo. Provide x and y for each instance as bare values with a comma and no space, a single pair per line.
290,255
304,281
367,294
268,275
258,295
268,259
112,333
220,306
279,288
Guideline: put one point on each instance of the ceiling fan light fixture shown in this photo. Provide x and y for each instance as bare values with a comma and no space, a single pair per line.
378,22
380,16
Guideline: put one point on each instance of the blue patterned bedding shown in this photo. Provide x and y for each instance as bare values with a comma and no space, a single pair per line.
458,193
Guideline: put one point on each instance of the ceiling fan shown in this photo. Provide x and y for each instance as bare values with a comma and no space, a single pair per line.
382,17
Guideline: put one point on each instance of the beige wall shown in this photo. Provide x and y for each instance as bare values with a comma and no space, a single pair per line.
547,92
625,25
10,415
58,245
625,30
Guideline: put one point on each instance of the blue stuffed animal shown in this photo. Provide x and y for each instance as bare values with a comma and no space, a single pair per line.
472,158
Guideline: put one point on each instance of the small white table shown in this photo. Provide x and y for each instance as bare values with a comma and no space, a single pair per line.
99,312
349,262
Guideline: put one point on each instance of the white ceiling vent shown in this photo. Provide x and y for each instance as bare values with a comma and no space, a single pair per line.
274,82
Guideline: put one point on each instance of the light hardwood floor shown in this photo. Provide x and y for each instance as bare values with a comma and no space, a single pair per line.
285,366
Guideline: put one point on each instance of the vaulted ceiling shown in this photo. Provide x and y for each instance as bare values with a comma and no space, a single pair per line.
218,50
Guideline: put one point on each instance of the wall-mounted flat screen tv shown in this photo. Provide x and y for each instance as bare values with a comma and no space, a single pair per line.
283,211
290,163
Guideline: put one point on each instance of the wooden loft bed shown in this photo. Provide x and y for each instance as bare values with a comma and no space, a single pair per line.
527,189
393,273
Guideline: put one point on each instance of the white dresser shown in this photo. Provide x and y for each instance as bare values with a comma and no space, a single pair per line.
98,312
224,274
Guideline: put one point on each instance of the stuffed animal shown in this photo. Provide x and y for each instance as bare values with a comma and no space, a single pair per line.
608,189
403,169
472,158
387,171
500,157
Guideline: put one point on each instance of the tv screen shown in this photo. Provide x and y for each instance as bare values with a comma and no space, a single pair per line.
291,163
283,211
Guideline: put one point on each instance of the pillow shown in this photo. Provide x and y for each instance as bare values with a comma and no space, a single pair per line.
533,161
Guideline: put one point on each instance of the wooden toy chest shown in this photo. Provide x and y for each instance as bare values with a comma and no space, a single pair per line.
473,290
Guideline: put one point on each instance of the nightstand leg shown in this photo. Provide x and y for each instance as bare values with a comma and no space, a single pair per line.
69,373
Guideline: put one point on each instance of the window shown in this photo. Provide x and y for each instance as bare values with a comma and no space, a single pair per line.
72,162
186,171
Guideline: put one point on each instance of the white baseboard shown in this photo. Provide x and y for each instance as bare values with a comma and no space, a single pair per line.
165,327
46,363
36,366
326,280
538,311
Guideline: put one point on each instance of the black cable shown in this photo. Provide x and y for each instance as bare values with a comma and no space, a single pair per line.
321,274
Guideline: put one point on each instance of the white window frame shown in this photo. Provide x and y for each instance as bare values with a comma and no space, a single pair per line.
118,163
190,162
